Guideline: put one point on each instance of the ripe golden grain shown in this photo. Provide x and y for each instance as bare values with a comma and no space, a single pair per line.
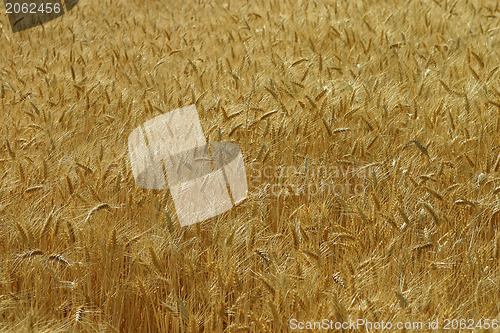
422,247
22,233
338,279
352,93
431,211
71,232
30,254
154,259
79,313
33,188
340,130
96,209
60,259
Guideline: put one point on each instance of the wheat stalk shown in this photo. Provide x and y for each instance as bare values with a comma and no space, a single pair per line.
96,209
30,254
59,259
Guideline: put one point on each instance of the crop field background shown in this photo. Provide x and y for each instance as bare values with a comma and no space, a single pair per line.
396,103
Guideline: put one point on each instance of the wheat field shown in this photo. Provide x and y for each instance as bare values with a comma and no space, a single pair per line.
396,103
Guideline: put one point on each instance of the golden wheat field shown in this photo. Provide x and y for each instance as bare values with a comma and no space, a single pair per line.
370,135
